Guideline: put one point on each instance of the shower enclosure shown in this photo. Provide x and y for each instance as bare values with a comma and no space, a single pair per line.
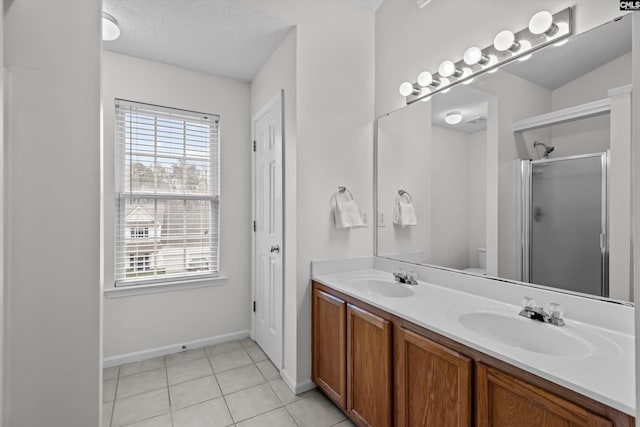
564,223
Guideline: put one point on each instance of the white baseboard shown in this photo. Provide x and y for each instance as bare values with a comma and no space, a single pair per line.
108,362
296,388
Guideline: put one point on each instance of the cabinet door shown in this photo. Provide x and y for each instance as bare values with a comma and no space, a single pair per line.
503,400
433,383
329,346
369,398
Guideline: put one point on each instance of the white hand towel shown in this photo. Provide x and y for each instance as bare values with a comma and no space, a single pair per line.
404,213
347,214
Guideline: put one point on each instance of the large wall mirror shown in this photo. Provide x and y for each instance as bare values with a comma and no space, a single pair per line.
524,174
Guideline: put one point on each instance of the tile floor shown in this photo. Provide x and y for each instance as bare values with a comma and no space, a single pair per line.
230,384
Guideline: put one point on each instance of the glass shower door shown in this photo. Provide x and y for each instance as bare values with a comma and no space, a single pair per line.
568,224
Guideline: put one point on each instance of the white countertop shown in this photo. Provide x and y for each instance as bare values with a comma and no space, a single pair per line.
606,374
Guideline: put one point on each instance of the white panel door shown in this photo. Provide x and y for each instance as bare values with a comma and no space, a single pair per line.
267,128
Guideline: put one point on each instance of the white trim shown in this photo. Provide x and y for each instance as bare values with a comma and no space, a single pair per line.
136,356
576,112
296,388
154,288
620,90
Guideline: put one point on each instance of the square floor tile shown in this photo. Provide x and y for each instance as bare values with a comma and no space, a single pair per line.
107,410
141,383
224,347
161,421
239,379
278,418
109,390
186,371
194,391
285,394
252,401
247,341
142,366
110,373
269,371
230,360
184,356
255,352
315,411
140,407
213,413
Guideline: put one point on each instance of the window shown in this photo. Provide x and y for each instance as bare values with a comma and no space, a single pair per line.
167,189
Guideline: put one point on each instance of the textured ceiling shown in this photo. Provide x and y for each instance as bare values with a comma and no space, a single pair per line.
219,37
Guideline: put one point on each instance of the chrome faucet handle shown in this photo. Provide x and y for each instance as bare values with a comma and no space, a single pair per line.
528,303
555,314
412,278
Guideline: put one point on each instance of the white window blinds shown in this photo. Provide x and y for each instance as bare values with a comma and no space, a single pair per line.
167,201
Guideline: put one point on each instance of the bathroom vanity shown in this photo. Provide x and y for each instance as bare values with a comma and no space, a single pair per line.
424,355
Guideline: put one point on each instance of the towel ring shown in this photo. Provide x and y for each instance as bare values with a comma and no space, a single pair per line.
345,191
405,193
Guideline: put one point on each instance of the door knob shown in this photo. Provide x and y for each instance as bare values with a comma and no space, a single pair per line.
275,248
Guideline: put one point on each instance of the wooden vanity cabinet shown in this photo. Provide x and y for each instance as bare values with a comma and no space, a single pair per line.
369,368
329,346
503,400
384,371
433,384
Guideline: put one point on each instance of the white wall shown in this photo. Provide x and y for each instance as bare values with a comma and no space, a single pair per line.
449,198
144,322
334,102
477,195
52,357
279,73
404,162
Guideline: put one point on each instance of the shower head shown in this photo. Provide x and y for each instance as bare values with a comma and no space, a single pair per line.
548,149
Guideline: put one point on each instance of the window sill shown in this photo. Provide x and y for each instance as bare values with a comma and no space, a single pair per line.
154,288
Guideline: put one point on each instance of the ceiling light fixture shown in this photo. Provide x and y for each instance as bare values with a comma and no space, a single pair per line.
544,29
453,117
110,29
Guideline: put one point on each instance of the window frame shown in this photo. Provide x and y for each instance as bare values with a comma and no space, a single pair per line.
121,196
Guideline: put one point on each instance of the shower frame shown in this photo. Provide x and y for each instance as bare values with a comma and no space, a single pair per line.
525,190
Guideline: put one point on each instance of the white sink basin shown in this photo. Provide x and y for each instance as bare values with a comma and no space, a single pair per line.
527,334
385,288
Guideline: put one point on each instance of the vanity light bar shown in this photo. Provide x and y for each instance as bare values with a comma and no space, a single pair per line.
507,47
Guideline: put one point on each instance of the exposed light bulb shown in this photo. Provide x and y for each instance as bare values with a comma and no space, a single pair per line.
447,68
473,55
541,22
425,78
406,89
110,29
453,117
425,91
525,45
466,72
505,40
493,60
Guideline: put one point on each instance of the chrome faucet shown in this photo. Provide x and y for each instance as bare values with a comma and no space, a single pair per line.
531,311
406,277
